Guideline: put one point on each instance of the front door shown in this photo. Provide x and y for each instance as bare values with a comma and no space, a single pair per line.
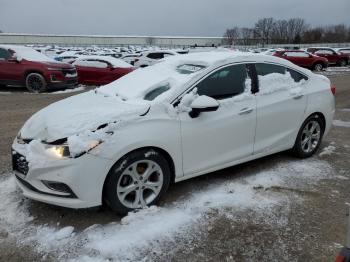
214,139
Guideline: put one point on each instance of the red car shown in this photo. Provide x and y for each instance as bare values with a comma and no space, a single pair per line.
100,70
23,66
303,59
334,57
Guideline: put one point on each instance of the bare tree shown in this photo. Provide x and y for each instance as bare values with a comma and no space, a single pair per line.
231,35
247,34
264,28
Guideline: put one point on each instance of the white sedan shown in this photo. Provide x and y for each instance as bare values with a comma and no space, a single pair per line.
124,143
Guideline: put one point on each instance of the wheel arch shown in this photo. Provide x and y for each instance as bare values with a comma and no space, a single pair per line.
163,152
321,116
31,71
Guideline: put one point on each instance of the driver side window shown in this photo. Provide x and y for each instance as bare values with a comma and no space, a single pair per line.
4,54
224,83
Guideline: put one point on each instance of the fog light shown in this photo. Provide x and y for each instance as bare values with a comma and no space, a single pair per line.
59,187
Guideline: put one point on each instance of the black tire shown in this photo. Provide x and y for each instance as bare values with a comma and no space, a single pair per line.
110,196
35,83
342,62
297,149
318,66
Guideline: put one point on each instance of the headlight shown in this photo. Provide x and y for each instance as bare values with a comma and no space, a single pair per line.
54,69
77,150
60,151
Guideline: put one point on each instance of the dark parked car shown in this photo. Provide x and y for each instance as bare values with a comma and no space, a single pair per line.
334,57
303,59
100,70
23,66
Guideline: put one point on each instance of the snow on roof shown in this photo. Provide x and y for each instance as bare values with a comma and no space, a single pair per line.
28,53
115,62
138,83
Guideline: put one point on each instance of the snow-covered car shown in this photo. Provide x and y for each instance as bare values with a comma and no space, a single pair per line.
130,58
124,143
152,57
100,70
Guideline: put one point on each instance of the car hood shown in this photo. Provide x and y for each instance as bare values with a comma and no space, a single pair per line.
57,64
79,113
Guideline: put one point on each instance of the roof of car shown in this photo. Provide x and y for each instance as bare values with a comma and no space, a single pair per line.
112,60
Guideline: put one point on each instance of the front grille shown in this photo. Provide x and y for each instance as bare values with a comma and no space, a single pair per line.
19,163
69,71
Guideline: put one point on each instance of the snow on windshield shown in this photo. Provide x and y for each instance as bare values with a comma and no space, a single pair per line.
138,83
30,54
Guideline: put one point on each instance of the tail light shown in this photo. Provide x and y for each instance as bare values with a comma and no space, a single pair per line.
340,259
333,89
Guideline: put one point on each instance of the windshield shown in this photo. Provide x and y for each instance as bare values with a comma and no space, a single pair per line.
146,83
31,55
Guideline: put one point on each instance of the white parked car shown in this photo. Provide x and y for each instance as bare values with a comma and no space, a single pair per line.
130,58
152,57
124,143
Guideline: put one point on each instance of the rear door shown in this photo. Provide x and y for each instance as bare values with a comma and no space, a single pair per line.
280,107
299,58
329,54
216,138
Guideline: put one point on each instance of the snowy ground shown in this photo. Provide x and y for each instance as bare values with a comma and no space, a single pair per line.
14,90
275,209
336,70
177,220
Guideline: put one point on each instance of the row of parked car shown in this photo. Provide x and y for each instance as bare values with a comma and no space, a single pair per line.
38,72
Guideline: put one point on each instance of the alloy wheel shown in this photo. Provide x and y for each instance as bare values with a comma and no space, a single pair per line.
310,137
139,184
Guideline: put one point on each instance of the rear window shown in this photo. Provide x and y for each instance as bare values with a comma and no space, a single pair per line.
266,69
189,68
296,75
4,54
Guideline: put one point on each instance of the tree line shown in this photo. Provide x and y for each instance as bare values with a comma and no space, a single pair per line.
282,31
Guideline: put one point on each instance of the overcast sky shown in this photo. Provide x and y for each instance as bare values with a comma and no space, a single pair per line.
159,17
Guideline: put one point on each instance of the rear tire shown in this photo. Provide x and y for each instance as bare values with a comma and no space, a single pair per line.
137,180
309,137
318,67
35,83
342,62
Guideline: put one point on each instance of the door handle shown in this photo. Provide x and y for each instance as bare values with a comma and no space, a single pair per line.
298,96
245,111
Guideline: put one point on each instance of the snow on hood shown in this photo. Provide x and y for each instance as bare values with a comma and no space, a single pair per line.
76,114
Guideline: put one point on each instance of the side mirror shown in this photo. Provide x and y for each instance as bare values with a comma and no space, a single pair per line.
203,104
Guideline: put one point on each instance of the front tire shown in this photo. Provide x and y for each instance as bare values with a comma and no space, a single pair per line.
342,63
309,137
139,179
35,83
318,67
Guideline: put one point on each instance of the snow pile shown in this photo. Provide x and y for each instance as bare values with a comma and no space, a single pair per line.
327,150
341,123
275,82
155,228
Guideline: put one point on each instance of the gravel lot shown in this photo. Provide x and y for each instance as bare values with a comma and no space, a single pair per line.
298,220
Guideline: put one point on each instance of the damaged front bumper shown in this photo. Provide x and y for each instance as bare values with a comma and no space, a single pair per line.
67,182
